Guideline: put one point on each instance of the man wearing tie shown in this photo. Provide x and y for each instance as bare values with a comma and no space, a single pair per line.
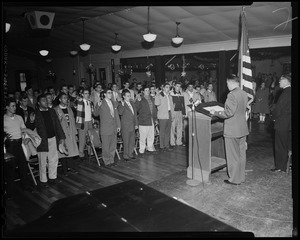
84,119
109,126
165,115
129,124
235,130
282,115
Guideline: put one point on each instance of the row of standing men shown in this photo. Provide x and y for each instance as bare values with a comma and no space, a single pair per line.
58,126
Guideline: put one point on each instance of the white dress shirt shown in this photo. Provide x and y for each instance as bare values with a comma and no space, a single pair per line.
87,110
111,107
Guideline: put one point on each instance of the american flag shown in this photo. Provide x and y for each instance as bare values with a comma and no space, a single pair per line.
244,66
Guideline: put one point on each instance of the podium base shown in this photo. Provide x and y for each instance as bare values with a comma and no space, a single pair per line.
201,176
192,182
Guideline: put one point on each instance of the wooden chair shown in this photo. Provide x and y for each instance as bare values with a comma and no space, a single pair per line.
95,143
88,146
137,139
32,161
156,134
33,167
120,146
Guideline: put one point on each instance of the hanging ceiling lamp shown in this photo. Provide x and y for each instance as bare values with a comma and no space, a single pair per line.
149,37
73,52
116,47
7,24
43,52
177,39
7,27
84,46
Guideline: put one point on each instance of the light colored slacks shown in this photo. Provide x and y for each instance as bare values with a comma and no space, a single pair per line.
236,159
52,156
176,129
146,138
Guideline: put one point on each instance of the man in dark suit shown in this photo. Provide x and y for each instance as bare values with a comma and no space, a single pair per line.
235,130
109,126
282,117
129,124
26,112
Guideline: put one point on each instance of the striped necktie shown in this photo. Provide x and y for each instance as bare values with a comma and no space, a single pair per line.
129,105
111,108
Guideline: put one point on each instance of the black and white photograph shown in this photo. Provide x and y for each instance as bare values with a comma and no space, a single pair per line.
144,119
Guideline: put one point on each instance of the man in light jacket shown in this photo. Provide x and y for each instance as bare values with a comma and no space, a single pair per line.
67,121
235,130
165,114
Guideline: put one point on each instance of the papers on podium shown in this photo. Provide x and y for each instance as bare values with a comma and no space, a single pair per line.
216,108
205,108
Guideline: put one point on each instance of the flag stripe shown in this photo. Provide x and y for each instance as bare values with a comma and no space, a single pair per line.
248,84
246,59
248,90
247,78
248,66
245,71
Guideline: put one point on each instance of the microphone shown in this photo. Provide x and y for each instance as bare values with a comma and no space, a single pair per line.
195,104
198,101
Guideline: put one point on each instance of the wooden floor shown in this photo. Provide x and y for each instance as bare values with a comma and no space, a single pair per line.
148,169
26,207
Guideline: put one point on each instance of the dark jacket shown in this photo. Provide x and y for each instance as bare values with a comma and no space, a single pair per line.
144,113
42,132
108,124
178,101
20,112
282,113
128,119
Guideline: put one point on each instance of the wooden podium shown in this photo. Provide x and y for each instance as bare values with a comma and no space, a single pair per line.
206,146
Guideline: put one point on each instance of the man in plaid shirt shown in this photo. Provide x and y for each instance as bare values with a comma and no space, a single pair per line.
84,119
